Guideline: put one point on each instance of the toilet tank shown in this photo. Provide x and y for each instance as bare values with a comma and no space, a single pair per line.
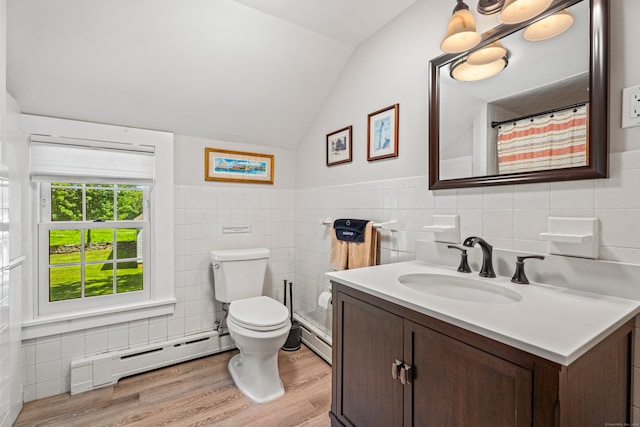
238,273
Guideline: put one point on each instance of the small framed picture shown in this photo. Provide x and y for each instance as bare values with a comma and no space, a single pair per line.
237,166
382,133
339,146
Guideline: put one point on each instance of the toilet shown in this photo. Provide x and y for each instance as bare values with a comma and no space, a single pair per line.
258,325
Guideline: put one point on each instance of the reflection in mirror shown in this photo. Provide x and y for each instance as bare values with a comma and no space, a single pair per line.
530,121
520,90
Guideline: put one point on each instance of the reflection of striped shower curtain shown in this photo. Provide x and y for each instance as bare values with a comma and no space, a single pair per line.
550,141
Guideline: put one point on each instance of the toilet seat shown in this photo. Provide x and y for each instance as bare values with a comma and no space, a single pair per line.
259,313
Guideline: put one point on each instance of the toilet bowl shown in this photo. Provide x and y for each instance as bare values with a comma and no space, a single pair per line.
259,326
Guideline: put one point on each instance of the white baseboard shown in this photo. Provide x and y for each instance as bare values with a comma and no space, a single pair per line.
105,369
315,339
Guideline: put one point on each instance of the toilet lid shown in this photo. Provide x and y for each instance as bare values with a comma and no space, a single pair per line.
258,313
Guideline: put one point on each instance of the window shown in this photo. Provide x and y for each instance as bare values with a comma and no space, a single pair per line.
104,227
91,240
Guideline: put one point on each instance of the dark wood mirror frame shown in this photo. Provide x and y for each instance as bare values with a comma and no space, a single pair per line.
598,108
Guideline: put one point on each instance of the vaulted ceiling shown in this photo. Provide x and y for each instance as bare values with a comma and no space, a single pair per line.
253,71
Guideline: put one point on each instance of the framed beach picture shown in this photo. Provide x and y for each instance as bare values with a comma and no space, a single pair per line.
237,166
382,133
339,146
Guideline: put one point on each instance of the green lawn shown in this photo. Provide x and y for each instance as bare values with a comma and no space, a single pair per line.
72,237
65,281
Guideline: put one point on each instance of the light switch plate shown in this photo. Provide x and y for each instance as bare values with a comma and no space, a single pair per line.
631,107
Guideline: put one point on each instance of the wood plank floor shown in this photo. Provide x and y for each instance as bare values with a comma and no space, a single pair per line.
196,393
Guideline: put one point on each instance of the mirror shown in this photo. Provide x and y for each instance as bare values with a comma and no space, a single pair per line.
472,124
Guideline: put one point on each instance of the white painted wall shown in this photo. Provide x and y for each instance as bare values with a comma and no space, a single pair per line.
200,210
10,246
189,162
47,357
3,55
11,397
392,67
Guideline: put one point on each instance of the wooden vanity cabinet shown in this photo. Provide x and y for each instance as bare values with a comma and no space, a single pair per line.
453,377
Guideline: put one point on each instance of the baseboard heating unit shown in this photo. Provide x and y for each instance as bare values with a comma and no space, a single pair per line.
107,368
314,338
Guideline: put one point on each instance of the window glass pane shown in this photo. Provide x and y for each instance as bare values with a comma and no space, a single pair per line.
98,279
129,276
99,204
66,203
64,283
64,246
129,204
98,244
129,243
85,261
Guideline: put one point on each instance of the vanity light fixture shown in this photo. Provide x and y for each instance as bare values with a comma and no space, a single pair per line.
461,31
516,11
489,7
463,71
487,54
549,27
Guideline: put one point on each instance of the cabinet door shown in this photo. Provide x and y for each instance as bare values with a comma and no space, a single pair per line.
457,385
368,340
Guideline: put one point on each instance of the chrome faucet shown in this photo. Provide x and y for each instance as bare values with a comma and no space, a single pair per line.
487,249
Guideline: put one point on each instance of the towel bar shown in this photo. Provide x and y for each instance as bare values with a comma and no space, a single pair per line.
389,225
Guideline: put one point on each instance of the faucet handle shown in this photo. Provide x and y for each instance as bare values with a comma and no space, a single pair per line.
464,263
519,276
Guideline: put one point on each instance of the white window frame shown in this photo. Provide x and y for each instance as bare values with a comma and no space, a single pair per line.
161,301
47,307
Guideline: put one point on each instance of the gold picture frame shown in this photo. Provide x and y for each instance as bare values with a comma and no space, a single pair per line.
238,166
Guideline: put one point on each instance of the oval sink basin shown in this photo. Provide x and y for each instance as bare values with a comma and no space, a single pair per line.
460,288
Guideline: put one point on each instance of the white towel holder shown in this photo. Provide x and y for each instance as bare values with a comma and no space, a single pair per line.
326,221
388,225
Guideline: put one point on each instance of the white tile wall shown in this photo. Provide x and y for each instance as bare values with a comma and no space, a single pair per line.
287,222
200,213
405,200
5,360
509,217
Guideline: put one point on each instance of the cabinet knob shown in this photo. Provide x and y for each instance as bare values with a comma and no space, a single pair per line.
395,369
401,371
405,374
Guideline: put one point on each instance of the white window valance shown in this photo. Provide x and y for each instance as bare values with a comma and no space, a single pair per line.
61,159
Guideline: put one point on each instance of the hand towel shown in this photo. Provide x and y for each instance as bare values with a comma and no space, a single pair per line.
339,252
364,254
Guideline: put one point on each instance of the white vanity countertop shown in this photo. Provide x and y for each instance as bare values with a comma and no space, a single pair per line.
555,323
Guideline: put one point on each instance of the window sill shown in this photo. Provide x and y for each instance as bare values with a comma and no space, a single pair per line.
59,324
